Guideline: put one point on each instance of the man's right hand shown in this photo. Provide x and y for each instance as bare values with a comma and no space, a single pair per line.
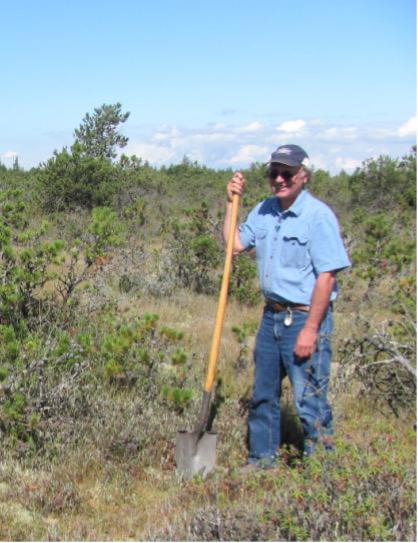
235,185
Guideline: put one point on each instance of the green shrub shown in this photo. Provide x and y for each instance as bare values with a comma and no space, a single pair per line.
244,280
25,262
135,212
171,334
72,179
383,183
106,232
194,250
179,398
242,333
88,255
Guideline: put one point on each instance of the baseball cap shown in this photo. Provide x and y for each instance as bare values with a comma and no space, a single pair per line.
291,155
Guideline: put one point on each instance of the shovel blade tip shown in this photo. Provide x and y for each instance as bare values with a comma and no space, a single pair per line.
195,454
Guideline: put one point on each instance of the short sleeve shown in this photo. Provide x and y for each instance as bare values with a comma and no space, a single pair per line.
326,247
247,229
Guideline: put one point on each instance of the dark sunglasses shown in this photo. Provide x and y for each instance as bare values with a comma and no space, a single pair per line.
273,173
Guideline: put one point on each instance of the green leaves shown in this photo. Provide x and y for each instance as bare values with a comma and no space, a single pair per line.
194,249
171,334
244,282
381,182
179,357
98,134
24,261
73,179
106,230
179,398
10,344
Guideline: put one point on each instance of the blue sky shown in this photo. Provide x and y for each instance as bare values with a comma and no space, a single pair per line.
223,82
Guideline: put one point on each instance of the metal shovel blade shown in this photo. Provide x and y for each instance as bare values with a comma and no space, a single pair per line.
195,453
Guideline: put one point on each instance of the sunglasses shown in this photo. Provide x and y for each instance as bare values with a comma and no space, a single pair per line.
274,172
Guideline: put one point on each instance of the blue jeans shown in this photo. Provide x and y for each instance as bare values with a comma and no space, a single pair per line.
309,377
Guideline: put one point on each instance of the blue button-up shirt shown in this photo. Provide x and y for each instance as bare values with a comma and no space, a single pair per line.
294,246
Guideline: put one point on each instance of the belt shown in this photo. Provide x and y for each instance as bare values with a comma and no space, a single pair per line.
277,306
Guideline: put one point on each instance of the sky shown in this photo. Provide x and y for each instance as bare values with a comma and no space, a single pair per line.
223,82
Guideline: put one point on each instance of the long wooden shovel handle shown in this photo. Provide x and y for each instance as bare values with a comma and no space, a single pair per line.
220,314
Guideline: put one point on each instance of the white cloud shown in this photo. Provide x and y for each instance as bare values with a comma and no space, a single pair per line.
331,147
212,137
166,134
175,138
315,122
347,164
339,133
249,153
153,152
292,127
318,162
409,128
218,126
9,155
381,133
255,126
330,133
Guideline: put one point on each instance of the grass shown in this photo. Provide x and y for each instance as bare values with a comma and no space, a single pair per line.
115,477
363,491
109,474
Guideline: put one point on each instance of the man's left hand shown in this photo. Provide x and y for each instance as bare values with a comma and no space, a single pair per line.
306,343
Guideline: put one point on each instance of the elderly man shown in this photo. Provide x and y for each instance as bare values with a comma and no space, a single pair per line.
299,250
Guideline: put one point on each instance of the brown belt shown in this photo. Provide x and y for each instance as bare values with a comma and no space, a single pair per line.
277,306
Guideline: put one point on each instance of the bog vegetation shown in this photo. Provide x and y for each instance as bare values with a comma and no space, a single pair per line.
109,272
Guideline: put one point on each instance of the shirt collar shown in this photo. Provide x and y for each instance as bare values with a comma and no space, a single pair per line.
296,207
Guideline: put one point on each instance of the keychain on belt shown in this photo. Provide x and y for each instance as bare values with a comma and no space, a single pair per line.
289,317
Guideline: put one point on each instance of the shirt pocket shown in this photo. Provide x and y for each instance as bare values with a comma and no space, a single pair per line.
294,252
260,240
260,235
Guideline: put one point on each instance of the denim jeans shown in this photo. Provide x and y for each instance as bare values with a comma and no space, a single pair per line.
309,377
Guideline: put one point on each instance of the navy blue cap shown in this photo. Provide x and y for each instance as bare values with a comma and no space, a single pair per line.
291,155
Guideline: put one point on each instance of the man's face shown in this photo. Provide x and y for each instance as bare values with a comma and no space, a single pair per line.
286,181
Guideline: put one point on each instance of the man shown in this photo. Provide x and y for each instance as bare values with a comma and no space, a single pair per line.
299,250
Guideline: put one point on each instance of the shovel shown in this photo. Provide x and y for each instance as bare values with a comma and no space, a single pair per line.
196,451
